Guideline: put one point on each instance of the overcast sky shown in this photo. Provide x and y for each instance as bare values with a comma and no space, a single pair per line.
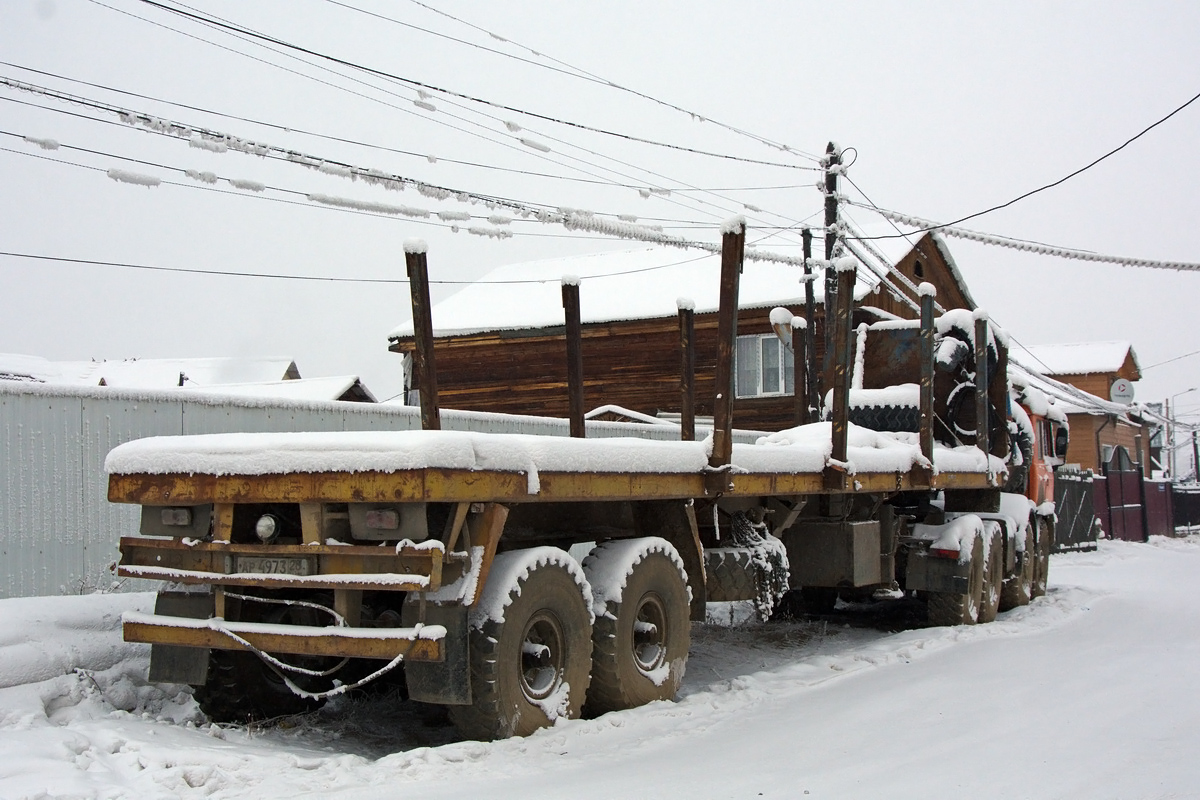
951,107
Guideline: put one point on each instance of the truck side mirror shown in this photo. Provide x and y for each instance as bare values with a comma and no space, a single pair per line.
1061,439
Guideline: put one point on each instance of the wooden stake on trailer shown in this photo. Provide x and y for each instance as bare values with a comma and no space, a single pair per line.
844,353
733,244
423,362
812,377
927,293
570,298
981,382
800,370
687,372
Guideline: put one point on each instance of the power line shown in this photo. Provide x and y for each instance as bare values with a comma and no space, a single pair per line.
1017,244
226,28
374,146
1169,360
584,74
930,226
214,21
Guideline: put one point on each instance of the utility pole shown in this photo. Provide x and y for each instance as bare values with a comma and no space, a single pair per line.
833,160
1195,457
812,380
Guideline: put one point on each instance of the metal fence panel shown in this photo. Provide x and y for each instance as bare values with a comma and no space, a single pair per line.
1073,505
42,507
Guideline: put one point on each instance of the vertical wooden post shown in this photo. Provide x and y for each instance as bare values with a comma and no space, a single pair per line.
800,369
812,381
570,298
418,284
981,381
833,159
733,243
1195,458
844,350
687,370
927,293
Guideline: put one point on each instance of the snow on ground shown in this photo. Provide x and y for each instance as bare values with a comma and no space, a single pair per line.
1090,693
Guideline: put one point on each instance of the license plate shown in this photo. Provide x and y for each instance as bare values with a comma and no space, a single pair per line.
273,565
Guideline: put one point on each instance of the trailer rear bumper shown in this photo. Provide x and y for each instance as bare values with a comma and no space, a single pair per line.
418,643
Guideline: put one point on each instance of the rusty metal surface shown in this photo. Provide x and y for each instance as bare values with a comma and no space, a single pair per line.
438,485
332,566
305,641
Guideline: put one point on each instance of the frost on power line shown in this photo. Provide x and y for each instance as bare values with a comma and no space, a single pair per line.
431,158
627,217
340,170
249,186
136,178
434,192
212,145
500,219
1030,247
534,144
364,205
452,216
201,177
512,126
424,105
45,144
491,233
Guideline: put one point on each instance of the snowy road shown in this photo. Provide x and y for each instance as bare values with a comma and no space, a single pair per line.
1090,692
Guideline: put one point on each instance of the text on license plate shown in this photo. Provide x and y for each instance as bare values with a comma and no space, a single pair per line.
273,565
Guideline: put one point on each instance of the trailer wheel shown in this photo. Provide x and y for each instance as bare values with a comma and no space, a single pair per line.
639,641
241,688
946,608
993,579
1019,587
532,666
1041,565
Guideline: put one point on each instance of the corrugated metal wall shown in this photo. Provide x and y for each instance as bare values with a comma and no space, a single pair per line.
59,533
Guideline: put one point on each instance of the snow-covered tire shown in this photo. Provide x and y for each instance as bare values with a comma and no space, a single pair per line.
729,574
946,608
993,578
530,646
1018,588
1041,564
241,688
887,418
642,631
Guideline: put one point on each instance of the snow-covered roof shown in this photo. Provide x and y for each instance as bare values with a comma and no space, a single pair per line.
148,373
331,388
1078,358
622,285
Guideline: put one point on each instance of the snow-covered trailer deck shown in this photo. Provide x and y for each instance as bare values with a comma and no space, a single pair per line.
205,479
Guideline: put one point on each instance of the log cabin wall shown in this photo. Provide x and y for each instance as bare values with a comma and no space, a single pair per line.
632,363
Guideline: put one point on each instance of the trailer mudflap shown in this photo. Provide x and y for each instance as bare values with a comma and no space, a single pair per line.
172,663
418,643
448,681
930,574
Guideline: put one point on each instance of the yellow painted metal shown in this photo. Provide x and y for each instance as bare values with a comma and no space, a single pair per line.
329,642
455,486
159,558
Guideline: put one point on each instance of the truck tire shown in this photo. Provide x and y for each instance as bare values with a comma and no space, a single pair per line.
241,688
1018,588
729,574
993,579
532,666
639,641
1041,564
960,609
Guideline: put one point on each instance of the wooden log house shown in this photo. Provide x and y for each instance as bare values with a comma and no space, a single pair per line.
499,343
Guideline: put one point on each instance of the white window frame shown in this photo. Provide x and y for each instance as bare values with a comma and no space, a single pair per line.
784,366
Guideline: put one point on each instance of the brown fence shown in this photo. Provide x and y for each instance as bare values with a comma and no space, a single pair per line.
1074,493
1185,502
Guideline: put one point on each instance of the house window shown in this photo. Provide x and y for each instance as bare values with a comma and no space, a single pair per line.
763,367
